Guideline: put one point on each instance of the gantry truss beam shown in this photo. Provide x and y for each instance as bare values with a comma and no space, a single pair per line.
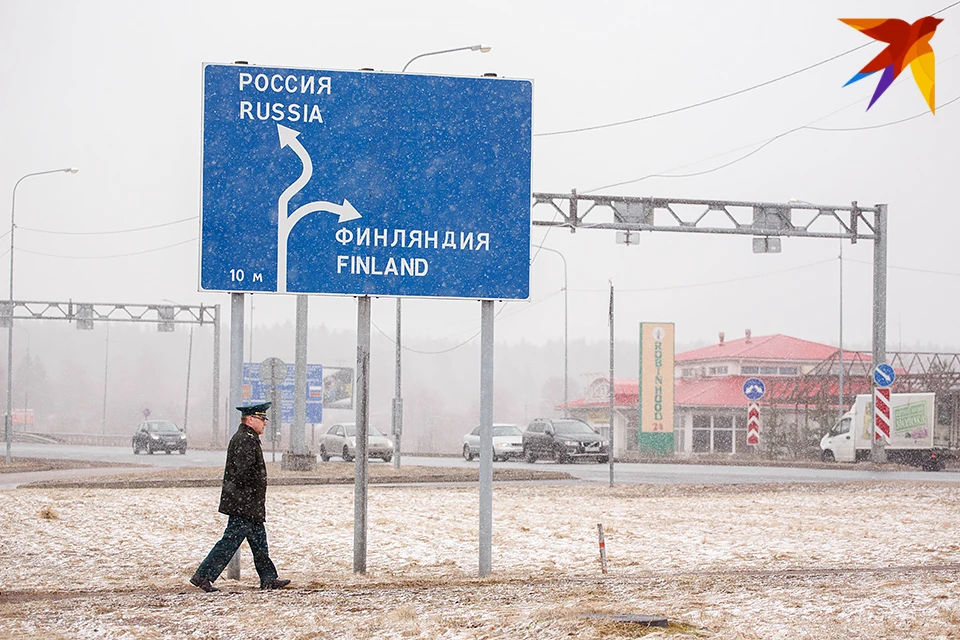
87,313
625,213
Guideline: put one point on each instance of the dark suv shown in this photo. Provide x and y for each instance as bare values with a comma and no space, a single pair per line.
158,435
563,440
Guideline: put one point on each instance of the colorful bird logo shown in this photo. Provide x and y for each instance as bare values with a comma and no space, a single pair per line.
906,44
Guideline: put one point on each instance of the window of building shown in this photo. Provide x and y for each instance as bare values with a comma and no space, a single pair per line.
701,433
749,371
788,371
769,370
723,434
718,371
686,373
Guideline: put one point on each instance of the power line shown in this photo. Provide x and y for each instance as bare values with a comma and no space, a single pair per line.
703,102
711,283
939,273
763,144
468,340
722,97
118,255
95,233
434,353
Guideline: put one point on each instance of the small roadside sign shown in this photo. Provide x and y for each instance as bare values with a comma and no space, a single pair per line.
883,375
754,389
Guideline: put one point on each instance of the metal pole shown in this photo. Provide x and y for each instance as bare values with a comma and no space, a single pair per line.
877,452
612,390
186,401
215,439
362,416
397,400
236,392
840,391
8,418
486,437
566,341
26,385
106,362
298,432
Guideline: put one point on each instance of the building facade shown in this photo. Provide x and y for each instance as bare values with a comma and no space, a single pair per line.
710,409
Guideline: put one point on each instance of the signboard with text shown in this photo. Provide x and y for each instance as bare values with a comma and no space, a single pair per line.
330,387
365,183
656,387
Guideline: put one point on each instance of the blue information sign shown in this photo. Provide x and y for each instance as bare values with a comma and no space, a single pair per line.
255,391
883,375
365,183
753,388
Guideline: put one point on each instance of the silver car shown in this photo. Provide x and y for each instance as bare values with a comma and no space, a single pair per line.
341,440
507,442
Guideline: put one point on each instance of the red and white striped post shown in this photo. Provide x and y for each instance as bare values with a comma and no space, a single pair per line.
753,424
603,549
881,400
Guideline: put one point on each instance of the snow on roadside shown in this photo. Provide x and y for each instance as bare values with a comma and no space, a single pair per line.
137,548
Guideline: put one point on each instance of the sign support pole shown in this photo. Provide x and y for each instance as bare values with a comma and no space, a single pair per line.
236,392
215,435
298,432
397,401
486,437
613,392
877,451
363,415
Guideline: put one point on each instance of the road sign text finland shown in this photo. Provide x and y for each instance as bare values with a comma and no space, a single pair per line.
364,183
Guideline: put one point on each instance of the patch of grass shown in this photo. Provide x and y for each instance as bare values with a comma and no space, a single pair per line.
49,513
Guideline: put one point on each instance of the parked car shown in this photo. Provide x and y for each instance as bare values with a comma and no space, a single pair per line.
341,440
563,440
507,442
158,435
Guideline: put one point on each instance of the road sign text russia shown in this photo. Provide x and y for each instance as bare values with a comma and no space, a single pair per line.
365,183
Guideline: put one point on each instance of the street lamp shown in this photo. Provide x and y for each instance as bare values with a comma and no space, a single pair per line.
397,413
476,47
566,410
26,385
8,422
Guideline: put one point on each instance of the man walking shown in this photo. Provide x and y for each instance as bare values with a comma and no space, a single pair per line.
243,498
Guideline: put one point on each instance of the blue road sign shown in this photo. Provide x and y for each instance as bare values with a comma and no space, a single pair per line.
365,183
254,390
883,375
753,388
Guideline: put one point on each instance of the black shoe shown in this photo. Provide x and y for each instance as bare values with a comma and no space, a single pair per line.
273,584
202,582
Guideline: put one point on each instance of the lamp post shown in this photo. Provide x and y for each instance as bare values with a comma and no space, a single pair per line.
475,47
8,421
566,411
26,385
397,413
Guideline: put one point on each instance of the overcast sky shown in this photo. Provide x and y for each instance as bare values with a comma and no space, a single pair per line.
114,88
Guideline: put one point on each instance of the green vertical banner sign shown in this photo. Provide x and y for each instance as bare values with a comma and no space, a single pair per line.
655,435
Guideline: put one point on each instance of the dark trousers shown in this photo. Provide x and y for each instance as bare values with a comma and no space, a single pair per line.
237,530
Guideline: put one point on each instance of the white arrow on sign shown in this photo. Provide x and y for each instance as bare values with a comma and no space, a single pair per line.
285,221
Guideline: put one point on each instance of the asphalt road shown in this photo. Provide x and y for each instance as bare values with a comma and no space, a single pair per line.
624,472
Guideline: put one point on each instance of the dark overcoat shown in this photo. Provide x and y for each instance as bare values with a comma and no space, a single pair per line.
244,491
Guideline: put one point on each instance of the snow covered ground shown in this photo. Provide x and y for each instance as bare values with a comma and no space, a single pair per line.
747,561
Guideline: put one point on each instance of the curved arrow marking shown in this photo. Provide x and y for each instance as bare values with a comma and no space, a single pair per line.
285,221
289,138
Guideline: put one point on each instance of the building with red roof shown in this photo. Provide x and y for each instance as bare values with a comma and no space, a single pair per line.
710,409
